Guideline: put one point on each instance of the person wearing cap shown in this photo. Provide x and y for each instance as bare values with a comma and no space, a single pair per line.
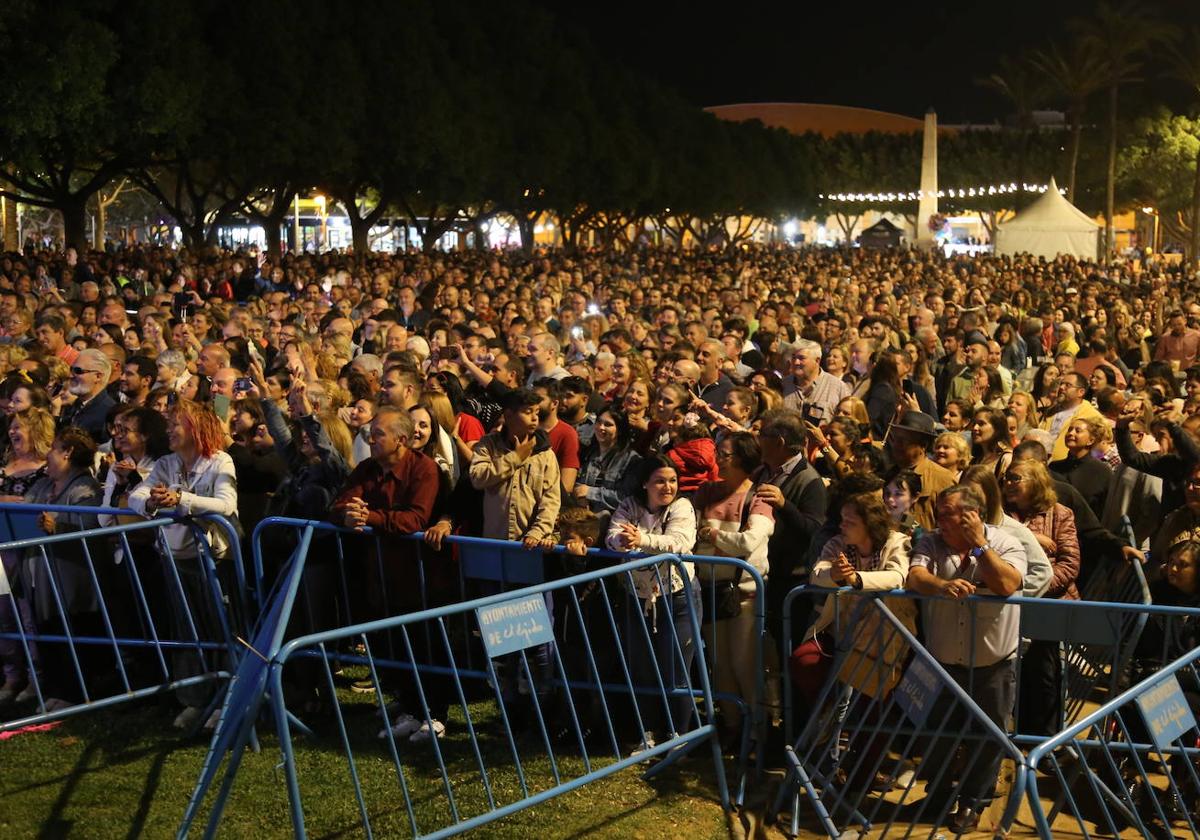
975,353
908,442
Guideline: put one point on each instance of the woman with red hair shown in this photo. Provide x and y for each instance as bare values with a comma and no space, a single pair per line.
197,477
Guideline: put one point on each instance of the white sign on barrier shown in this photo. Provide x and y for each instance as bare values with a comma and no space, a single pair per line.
514,625
1166,711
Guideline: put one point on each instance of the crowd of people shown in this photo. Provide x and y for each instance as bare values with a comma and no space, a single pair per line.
849,418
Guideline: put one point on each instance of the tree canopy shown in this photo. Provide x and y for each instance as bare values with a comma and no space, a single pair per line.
444,115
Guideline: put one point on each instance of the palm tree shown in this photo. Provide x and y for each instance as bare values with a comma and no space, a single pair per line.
1120,34
1017,82
1185,60
1074,76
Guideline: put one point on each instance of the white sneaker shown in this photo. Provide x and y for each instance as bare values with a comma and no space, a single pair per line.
647,745
423,734
210,725
53,704
27,694
188,718
404,726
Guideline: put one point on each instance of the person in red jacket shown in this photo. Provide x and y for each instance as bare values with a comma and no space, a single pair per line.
393,493
693,452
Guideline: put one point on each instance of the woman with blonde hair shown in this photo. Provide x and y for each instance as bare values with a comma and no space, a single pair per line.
1081,469
856,410
950,451
30,434
1024,407
1029,498
11,355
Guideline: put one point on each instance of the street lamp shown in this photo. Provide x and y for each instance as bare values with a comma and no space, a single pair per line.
1150,211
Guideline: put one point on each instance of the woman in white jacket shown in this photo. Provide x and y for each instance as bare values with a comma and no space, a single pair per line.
733,522
655,520
196,477
867,555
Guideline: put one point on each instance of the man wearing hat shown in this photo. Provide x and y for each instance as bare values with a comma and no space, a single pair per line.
975,352
908,442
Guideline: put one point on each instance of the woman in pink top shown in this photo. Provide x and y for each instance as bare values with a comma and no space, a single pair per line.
732,522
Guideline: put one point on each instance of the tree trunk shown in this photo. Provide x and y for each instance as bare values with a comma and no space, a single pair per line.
988,219
101,223
12,232
847,222
1195,240
74,215
1110,181
193,234
525,224
360,235
274,236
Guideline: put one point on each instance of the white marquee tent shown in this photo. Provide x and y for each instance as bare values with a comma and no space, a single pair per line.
1049,227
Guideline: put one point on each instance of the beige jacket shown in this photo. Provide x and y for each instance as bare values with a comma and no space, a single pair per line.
892,572
520,498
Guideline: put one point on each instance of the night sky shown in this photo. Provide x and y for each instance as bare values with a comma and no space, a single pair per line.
901,57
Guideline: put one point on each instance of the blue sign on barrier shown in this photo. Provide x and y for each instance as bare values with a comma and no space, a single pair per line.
515,625
1166,711
918,690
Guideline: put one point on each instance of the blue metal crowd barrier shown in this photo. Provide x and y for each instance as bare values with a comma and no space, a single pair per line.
1138,757
502,565
553,707
1108,637
1095,641
889,718
97,617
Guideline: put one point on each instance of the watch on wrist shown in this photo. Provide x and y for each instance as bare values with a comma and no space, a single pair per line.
978,551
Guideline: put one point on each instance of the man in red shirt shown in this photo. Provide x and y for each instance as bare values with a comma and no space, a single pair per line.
564,440
393,492
51,334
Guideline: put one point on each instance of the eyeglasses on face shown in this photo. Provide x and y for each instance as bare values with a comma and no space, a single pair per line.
78,371
1013,478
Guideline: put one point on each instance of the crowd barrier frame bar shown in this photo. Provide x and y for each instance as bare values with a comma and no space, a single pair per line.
753,710
228,607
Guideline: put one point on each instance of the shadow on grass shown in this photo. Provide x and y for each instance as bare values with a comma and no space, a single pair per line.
56,825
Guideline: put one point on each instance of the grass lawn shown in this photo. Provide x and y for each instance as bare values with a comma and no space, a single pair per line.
126,773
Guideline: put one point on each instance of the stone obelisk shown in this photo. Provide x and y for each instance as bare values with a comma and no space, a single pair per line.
928,205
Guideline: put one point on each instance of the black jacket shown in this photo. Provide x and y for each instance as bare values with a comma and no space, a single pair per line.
90,417
796,522
1172,467
1087,475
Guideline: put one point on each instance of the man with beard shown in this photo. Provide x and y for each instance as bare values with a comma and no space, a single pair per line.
89,378
137,378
